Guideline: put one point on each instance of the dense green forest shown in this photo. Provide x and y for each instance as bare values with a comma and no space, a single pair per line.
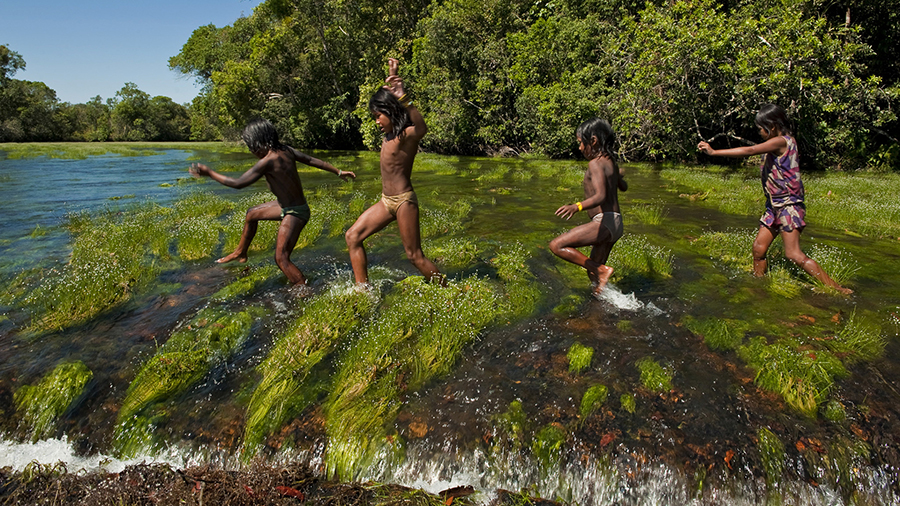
517,76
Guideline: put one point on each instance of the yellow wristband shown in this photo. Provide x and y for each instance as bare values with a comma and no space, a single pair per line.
579,206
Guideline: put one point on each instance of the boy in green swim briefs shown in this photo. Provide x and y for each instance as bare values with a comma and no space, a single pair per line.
278,164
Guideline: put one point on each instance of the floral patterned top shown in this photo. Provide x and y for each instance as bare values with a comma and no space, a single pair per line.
781,177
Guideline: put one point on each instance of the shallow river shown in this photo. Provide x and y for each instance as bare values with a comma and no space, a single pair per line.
510,412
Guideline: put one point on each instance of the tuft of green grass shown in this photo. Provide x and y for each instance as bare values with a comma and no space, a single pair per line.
592,399
547,444
419,333
780,281
326,322
733,247
627,402
579,357
453,252
648,213
718,333
42,404
833,410
654,377
634,254
858,341
522,292
512,423
210,339
247,284
837,262
771,453
197,238
803,378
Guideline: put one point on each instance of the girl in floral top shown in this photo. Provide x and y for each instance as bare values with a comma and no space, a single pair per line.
780,175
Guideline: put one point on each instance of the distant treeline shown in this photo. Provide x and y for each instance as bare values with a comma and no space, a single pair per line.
496,76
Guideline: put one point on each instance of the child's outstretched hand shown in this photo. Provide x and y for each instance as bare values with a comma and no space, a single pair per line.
198,170
704,147
346,175
394,81
567,211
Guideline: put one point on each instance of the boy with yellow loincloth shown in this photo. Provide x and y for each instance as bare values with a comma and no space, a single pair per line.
403,127
278,164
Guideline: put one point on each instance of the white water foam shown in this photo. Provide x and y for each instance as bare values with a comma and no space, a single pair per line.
52,451
627,302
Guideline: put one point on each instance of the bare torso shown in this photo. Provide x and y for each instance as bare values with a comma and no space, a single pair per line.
602,173
397,156
279,167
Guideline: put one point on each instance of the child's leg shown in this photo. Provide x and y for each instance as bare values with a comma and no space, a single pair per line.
408,222
269,211
761,244
793,252
288,233
600,255
370,221
589,234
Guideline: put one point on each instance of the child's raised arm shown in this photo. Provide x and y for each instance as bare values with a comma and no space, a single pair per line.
199,170
395,86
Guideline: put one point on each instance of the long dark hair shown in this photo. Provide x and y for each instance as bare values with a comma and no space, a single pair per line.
260,134
771,117
384,102
602,130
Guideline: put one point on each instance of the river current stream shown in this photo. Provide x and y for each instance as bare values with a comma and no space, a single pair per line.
510,411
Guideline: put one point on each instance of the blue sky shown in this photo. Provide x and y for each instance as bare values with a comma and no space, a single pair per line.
87,48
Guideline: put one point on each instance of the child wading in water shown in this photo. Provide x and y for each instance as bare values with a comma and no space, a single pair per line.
403,127
278,164
780,174
602,180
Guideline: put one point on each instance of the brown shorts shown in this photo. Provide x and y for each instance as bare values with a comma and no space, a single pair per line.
393,202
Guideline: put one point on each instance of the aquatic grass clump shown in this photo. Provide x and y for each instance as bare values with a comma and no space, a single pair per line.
592,399
634,254
732,194
627,402
547,444
522,291
247,284
732,247
210,339
197,238
718,333
196,204
326,322
453,252
803,378
114,254
648,213
444,217
837,262
419,333
860,204
512,423
858,341
42,404
654,377
780,281
579,357
771,454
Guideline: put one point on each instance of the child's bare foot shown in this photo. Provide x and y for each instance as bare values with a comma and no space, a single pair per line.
234,256
604,272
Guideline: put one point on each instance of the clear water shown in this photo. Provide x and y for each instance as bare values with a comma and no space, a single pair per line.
696,444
